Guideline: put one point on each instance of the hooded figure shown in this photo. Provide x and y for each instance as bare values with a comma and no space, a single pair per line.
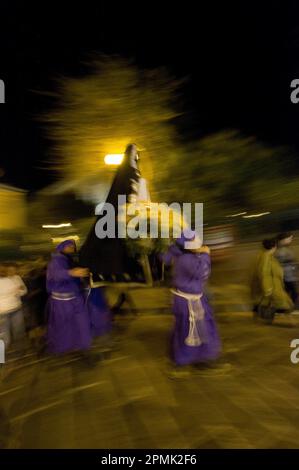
108,258
68,320
195,338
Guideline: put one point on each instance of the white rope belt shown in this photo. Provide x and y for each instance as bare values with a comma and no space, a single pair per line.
196,318
63,296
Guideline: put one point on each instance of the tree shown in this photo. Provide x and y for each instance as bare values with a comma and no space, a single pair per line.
117,103
100,113
232,173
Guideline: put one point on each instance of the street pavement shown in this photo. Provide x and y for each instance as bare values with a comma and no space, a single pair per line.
127,398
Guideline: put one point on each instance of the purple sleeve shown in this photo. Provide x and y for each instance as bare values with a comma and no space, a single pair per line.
200,265
205,266
168,256
58,270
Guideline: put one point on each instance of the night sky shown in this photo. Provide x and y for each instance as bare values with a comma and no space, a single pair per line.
240,58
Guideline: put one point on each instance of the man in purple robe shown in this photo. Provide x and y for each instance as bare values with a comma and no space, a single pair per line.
195,338
69,327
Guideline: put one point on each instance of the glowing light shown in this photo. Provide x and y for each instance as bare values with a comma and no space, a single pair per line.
255,215
62,239
236,215
114,159
57,226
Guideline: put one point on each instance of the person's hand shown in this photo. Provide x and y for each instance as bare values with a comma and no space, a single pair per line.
79,272
204,249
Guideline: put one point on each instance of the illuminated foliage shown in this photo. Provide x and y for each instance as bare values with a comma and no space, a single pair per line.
100,113
230,172
117,103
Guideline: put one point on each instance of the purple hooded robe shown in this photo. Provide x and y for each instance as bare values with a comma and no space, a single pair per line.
69,326
195,337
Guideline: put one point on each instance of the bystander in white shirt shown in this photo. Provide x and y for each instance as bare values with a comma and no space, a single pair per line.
11,291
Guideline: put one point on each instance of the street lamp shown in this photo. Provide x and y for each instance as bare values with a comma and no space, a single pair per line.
114,158
57,225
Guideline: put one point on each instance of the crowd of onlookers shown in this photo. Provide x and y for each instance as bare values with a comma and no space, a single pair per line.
23,300
23,295
274,282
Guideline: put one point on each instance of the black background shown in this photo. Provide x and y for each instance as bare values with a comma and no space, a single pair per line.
240,58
